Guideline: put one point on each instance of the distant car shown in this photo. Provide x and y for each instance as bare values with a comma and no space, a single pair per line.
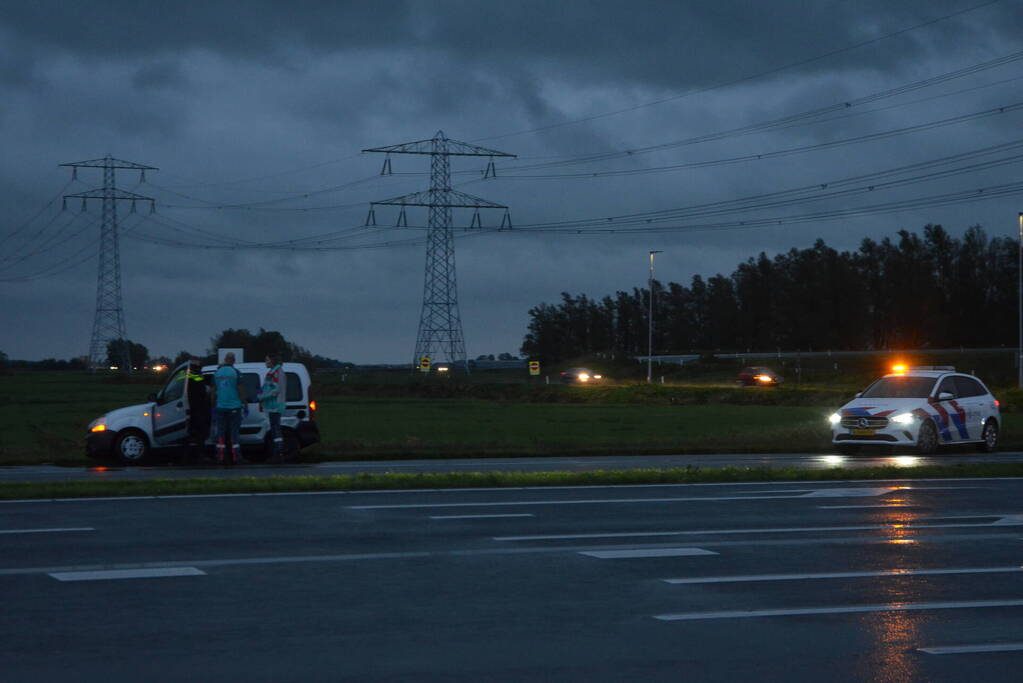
580,376
759,376
919,407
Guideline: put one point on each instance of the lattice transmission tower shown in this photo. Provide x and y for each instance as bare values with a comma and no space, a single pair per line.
108,324
440,325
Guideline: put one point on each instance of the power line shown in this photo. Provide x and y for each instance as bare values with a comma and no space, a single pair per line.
744,79
869,137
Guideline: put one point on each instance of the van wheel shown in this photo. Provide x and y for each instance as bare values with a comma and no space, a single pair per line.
927,439
989,436
131,447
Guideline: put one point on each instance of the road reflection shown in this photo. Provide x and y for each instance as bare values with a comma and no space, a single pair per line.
851,461
894,634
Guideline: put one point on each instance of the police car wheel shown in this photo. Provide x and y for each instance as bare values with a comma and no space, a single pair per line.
131,447
989,436
927,439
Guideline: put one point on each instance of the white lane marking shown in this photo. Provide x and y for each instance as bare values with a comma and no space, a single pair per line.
785,495
522,514
1009,520
849,609
969,649
648,552
905,485
849,492
775,530
861,507
842,575
107,574
46,531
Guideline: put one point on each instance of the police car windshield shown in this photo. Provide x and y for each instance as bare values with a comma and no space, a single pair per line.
900,387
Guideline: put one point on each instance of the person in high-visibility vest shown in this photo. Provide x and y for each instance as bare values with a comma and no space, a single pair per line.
198,412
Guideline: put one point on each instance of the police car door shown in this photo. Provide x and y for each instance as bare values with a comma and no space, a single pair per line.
973,398
951,412
170,414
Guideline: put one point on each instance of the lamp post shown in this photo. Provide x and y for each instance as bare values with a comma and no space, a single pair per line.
650,322
1019,272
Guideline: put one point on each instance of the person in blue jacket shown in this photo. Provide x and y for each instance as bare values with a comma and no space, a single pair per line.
272,402
229,400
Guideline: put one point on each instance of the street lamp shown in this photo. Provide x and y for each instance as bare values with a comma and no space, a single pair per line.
650,321
1019,273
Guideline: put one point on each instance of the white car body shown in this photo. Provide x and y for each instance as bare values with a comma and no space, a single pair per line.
960,411
162,422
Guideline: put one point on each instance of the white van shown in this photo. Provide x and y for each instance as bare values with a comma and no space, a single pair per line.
135,433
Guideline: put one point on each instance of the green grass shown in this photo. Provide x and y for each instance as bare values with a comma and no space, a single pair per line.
43,416
353,427
366,482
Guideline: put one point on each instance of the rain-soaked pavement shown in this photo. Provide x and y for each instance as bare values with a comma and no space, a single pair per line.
840,581
551,464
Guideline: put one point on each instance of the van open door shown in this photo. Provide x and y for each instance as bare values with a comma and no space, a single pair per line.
170,412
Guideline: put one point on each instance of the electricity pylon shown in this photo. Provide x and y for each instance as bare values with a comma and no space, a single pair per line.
440,325
108,324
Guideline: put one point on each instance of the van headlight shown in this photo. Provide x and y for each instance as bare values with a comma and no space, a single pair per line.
904,418
834,418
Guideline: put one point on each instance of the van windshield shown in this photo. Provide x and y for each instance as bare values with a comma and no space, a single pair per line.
900,387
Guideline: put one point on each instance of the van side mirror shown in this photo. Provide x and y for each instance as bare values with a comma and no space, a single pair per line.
151,397
945,396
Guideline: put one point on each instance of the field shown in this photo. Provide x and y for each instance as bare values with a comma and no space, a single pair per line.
43,416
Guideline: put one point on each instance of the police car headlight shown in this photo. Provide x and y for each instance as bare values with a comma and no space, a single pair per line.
97,425
904,418
834,418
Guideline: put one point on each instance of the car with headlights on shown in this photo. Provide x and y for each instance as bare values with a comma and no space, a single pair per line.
759,377
580,376
920,407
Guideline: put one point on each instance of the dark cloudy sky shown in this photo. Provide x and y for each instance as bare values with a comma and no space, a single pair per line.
265,106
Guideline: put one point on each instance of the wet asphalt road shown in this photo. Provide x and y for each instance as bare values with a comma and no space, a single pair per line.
565,464
838,581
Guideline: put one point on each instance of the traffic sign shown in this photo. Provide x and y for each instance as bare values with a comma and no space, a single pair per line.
534,367
424,364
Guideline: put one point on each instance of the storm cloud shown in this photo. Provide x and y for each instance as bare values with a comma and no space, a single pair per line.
255,114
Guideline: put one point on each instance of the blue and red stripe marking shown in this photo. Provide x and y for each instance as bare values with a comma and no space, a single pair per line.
959,418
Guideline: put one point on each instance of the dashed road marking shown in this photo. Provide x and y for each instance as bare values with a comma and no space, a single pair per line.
842,575
521,514
863,507
646,552
788,494
109,574
846,609
970,649
46,531
1005,520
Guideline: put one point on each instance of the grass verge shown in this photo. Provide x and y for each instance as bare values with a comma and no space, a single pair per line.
406,481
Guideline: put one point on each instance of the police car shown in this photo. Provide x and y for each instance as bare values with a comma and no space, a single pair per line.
133,434
921,407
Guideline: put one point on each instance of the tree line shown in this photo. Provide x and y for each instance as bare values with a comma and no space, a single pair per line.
914,291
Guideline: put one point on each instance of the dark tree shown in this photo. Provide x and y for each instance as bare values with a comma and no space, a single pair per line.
138,354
